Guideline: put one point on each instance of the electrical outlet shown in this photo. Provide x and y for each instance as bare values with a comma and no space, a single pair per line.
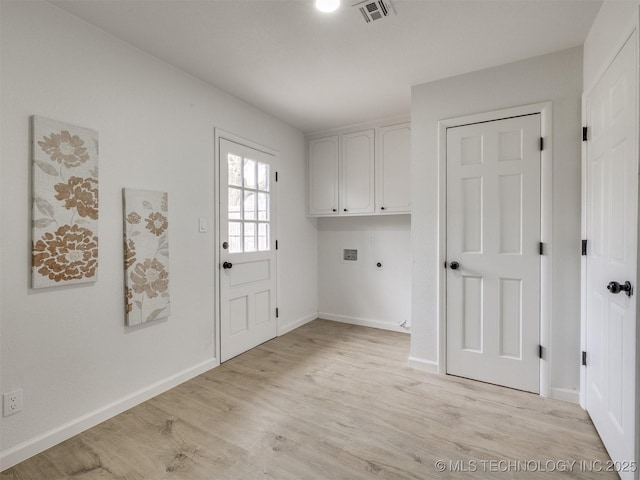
12,402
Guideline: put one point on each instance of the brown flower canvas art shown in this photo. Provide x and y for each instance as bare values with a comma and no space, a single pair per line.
146,255
65,204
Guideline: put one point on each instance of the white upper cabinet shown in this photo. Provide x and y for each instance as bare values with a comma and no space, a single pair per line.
357,173
323,176
393,169
361,173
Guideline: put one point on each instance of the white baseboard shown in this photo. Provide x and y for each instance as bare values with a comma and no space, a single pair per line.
565,394
296,324
422,364
40,443
363,322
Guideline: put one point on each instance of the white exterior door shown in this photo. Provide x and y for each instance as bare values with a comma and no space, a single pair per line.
612,222
493,234
247,251
357,173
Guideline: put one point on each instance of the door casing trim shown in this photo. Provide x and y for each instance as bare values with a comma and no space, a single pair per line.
220,134
546,223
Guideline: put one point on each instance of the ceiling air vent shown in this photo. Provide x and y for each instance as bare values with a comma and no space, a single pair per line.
375,9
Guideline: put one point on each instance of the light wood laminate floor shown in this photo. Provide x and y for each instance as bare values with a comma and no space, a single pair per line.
330,401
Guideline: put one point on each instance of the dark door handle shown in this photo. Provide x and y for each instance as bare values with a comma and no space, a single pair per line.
615,288
454,265
227,265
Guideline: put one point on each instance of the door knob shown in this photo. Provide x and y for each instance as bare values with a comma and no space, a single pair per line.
615,288
227,265
454,265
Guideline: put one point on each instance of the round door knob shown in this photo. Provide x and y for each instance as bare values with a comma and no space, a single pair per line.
454,265
227,265
615,288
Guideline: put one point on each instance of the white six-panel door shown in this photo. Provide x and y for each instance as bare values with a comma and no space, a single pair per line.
493,233
612,222
247,251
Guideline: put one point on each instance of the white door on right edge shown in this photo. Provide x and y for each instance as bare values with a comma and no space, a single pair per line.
493,238
612,222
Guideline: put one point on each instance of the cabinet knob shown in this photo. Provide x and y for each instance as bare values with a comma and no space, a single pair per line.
335,209
381,208
345,209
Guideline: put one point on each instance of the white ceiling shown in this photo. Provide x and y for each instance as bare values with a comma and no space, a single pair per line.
317,71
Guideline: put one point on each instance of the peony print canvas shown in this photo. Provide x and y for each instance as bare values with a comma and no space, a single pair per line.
65,204
146,255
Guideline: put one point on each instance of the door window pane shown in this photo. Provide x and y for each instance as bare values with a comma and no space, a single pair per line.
235,170
249,205
263,237
249,173
235,203
235,237
263,177
263,206
249,237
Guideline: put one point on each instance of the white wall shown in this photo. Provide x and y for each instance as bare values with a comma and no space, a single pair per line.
359,292
608,32
556,77
67,347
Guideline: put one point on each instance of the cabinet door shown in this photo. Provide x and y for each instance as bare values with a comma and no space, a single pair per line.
323,176
357,173
393,169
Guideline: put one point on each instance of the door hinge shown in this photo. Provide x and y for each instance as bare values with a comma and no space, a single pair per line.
541,248
541,143
540,350
276,176
276,244
277,312
584,247
584,359
585,134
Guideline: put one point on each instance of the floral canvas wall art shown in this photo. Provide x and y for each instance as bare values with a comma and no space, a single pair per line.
65,204
146,255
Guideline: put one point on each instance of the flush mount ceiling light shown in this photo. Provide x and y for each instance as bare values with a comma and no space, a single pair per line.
327,6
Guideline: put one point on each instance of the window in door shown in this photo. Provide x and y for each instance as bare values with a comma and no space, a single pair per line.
248,205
